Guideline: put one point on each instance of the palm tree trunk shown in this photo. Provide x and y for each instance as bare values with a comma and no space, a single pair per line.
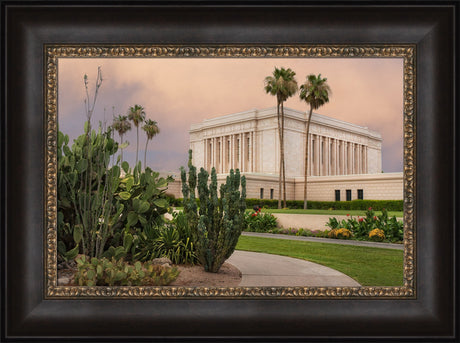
145,154
307,131
137,146
282,155
281,164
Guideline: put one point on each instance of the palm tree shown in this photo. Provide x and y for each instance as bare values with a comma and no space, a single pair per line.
151,129
121,125
315,92
136,115
283,85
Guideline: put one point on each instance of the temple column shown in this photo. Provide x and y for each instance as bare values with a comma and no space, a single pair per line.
333,156
342,158
337,172
357,159
346,156
243,152
317,157
228,153
313,156
338,160
366,168
310,155
353,157
222,152
214,152
360,159
251,155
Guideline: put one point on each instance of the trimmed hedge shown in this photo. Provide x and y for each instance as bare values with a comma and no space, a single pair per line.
377,205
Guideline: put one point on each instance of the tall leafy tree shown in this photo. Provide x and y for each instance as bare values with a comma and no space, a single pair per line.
121,125
315,92
282,84
151,130
137,115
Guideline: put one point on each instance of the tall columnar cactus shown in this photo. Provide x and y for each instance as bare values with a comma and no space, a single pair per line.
219,222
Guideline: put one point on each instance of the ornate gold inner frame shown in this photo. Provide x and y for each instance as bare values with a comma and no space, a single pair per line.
55,52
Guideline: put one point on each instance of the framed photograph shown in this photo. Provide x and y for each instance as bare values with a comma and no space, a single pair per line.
193,48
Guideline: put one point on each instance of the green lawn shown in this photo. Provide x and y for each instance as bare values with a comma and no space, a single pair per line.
331,213
368,266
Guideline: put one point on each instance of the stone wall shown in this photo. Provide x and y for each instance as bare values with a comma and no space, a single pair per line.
383,186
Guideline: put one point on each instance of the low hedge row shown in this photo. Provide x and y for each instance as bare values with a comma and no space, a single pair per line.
377,205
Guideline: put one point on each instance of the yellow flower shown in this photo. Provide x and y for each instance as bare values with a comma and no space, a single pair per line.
339,233
343,233
377,235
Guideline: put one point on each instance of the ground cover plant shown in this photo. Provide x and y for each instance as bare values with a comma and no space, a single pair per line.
371,226
117,272
368,266
258,221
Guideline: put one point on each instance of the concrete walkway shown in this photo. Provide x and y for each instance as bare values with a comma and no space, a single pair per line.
307,221
327,240
259,269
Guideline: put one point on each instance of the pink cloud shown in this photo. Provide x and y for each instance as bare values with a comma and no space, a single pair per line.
182,91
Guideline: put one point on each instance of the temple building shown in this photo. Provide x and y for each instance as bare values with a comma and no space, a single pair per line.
249,141
345,159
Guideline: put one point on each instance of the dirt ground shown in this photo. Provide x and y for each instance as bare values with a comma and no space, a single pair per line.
190,276
195,276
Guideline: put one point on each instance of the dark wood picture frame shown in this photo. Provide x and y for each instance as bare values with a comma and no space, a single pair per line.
27,28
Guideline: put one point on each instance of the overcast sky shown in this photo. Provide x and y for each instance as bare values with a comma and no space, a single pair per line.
177,92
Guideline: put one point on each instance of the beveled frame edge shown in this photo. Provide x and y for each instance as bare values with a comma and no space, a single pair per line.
406,51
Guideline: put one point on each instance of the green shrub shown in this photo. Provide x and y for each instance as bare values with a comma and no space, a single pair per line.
172,240
85,200
105,272
260,222
102,215
362,226
219,222
378,205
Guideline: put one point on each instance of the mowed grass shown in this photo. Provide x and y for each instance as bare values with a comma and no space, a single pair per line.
368,266
332,213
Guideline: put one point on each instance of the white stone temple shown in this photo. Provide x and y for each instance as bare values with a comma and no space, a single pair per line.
249,141
345,159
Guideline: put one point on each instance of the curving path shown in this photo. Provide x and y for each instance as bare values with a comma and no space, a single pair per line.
307,221
259,269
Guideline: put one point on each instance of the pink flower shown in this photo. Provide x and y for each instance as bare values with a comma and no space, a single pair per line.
369,209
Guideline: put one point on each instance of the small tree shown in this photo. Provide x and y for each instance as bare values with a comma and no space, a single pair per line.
121,125
219,222
137,115
315,92
283,85
151,130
